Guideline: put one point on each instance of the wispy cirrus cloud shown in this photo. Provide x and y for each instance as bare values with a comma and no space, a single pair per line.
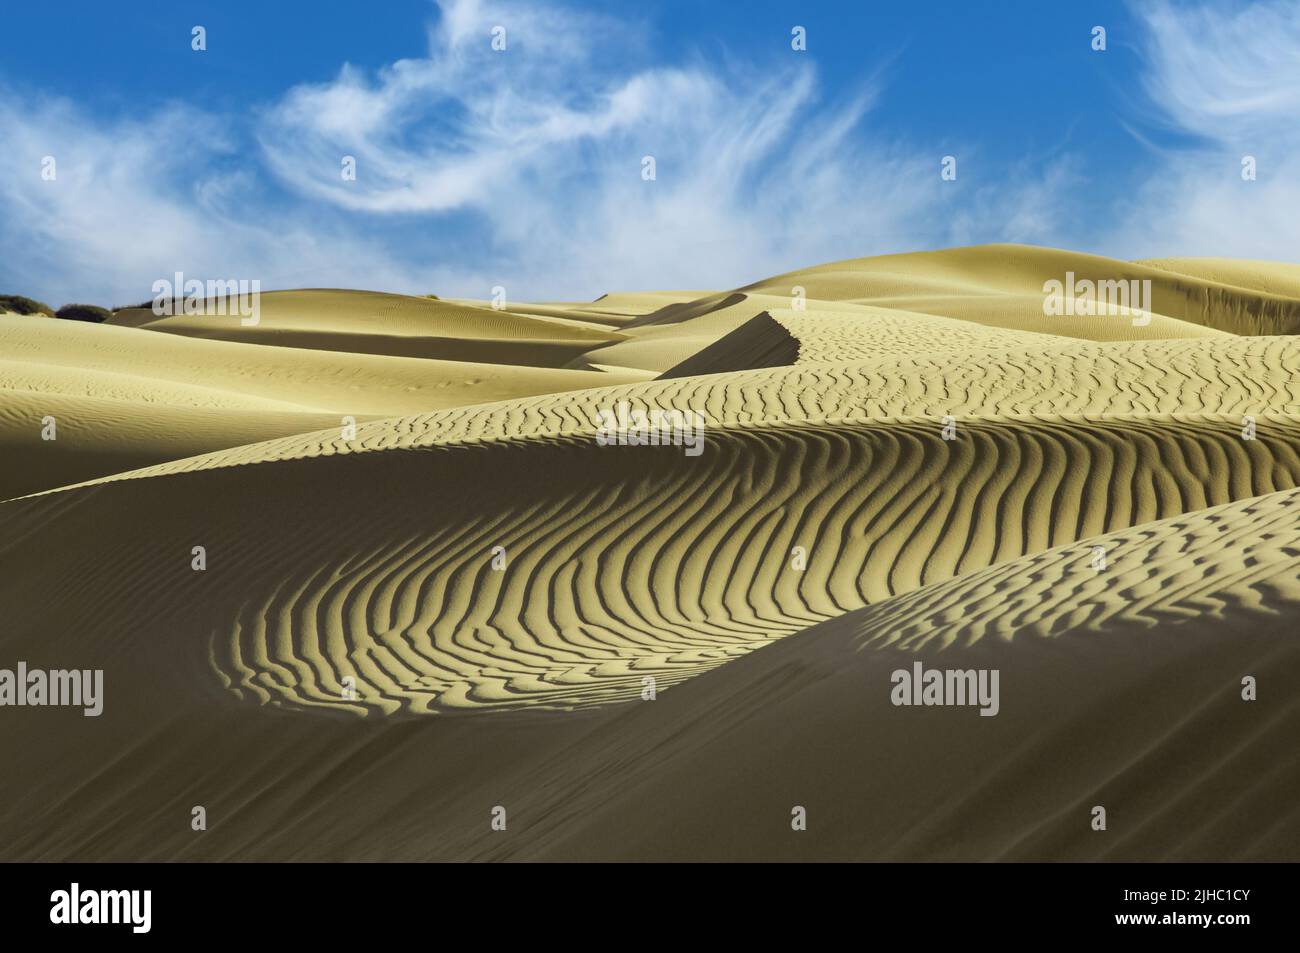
1228,77
134,200
756,170
523,168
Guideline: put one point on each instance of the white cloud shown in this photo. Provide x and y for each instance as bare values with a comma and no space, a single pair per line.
1228,75
137,200
523,168
755,172
1225,71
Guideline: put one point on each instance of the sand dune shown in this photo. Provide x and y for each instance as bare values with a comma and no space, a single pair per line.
370,323
1122,687
1002,285
466,602
1270,277
616,309
1136,710
1235,378
124,399
665,565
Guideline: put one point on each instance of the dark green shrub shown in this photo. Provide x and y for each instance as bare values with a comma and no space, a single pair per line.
20,305
83,312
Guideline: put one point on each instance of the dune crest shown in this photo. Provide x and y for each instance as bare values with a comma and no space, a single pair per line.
380,531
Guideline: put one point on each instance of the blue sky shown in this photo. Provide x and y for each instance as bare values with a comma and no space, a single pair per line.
522,167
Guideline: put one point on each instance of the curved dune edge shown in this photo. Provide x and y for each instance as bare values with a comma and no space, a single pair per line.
124,399
848,333
1002,285
605,683
1211,569
99,438
1120,688
759,342
1136,708
342,312
1271,277
112,362
620,564
691,582
1255,377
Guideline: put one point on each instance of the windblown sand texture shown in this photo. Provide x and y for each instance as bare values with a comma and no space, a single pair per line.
351,677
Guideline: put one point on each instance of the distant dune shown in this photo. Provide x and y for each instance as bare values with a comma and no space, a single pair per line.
430,589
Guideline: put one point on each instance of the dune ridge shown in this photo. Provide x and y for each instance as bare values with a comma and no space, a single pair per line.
654,569
1255,377
647,654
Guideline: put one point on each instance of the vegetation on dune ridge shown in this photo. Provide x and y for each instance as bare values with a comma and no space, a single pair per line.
21,305
83,312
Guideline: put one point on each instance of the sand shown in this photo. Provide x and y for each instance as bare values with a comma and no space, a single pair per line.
468,601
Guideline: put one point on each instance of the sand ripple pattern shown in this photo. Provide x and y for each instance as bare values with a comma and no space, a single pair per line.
1247,376
667,566
1217,564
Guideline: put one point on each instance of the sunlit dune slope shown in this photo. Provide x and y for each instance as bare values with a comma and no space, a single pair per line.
367,322
848,333
658,651
618,561
615,309
302,378
49,440
1233,377
1270,277
1003,285
1118,688
124,398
